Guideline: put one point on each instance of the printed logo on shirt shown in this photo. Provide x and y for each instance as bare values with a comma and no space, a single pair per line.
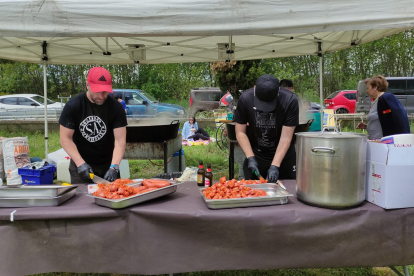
386,111
266,129
92,128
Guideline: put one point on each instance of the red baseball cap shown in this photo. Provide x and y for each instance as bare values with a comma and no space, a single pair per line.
100,80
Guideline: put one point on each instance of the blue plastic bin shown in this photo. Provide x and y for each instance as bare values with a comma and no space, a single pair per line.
316,124
30,176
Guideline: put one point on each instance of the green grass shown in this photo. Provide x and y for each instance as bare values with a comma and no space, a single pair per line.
375,271
219,160
208,154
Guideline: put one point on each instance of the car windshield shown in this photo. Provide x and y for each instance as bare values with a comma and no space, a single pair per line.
333,95
149,97
40,99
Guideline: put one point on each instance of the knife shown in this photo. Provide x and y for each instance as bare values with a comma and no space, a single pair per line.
96,179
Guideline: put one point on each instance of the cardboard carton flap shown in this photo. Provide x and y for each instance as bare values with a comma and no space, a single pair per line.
377,152
400,155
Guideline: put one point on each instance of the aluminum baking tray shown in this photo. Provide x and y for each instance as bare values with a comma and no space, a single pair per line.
34,191
37,201
276,195
136,199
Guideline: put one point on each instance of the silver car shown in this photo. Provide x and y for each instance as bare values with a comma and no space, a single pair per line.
26,101
27,106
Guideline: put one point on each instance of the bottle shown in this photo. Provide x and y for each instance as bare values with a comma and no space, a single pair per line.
200,175
209,176
62,167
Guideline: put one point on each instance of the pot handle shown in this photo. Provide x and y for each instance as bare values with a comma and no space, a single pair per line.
334,128
316,149
310,121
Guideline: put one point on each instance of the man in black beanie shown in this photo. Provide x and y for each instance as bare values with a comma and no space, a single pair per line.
266,117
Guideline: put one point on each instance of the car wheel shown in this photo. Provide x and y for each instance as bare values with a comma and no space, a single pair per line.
341,111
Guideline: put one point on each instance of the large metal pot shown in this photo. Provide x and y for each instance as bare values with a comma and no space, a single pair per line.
331,168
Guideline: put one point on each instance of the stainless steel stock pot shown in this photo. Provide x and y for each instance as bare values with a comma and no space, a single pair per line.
331,168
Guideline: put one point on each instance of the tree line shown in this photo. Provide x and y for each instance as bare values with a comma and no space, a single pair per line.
390,56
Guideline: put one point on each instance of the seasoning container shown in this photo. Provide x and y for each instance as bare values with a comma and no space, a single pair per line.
200,175
209,176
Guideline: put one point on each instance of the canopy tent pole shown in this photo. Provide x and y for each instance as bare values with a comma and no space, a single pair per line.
45,96
44,58
320,80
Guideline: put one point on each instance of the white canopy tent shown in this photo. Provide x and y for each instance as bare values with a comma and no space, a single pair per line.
167,31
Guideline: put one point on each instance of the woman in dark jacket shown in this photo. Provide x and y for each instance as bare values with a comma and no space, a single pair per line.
387,116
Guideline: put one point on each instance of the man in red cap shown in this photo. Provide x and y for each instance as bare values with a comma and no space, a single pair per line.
272,113
93,130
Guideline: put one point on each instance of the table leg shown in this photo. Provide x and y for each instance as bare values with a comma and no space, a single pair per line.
231,160
180,167
165,157
406,273
354,125
399,273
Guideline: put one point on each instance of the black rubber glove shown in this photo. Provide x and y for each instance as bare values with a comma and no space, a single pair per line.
84,170
273,174
253,166
111,175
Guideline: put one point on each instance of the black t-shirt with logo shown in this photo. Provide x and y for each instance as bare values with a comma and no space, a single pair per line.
93,125
265,128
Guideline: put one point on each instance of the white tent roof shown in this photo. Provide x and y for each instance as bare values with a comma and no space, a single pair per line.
166,31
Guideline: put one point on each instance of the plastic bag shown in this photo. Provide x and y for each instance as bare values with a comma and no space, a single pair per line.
38,165
16,155
189,174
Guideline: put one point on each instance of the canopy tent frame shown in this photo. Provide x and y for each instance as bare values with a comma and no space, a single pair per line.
123,32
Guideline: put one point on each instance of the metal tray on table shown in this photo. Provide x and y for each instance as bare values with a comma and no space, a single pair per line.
34,191
136,199
276,195
37,201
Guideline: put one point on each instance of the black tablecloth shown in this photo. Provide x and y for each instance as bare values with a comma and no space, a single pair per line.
178,233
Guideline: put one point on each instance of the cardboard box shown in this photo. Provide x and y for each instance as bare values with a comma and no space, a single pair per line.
390,175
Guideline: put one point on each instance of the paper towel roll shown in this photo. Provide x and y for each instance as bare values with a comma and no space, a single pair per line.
400,140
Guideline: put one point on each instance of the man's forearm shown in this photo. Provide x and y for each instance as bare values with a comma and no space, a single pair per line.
244,143
284,144
71,149
119,151
281,150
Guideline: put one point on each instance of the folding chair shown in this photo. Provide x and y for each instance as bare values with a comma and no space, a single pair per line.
329,120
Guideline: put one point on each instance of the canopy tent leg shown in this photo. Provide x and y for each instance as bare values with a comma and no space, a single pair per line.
320,80
405,268
45,103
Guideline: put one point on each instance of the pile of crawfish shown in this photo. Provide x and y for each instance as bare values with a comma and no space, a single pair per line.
231,189
119,188
247,182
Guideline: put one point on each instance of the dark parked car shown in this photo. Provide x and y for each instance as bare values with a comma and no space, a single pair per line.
204,99
142,104
401,87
